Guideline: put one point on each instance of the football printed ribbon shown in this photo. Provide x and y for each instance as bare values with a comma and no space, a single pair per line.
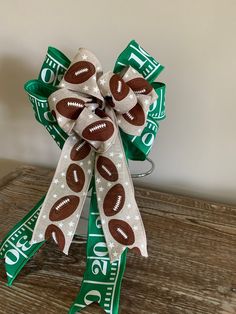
89,106
102,278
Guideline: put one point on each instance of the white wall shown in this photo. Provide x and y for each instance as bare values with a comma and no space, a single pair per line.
195,152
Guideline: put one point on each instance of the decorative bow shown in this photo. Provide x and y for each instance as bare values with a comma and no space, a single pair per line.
91,107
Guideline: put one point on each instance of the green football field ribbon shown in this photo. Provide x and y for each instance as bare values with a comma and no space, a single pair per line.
102,279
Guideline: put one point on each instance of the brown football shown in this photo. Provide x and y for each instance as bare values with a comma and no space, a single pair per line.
121,231
114,200
107,169
80,151
64,207
140,86
70,107
56,233
75,177
135,116
80,72
98,131
118,87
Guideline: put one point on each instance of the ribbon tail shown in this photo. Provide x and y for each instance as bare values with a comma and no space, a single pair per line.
121,220
16,248
64,202
102,280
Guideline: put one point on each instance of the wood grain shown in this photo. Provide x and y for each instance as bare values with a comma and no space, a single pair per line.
191,267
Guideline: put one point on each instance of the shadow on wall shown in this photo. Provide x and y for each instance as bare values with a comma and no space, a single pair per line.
13,75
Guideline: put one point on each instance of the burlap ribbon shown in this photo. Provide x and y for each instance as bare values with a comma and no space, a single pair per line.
91,107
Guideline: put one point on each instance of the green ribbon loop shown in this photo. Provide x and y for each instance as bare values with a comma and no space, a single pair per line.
102,280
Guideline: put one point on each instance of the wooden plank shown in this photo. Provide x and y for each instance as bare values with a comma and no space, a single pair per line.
191,266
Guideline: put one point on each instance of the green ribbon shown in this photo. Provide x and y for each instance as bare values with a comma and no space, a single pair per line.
102,279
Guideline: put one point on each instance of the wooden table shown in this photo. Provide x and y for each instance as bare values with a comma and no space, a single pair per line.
191,267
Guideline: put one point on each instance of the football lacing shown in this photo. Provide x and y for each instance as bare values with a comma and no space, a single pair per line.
74,104
122,233
117,204
119,87
54,236
107,171
129,115
75,176
97,127
81,71
67,200
140,91
79,146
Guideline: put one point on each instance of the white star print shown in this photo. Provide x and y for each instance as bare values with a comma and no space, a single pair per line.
139,130
60,224
118,121
89,162
98,180
135,228
84,57
109,184
77,215
56,181
121,155
147,102
131,96
62,186
86,88
40,236
81,163
54,195
84,193
95,89
111,245
101,189
89,171
118,165
103,221
111,154
115,254
94,78
62,85
63,174
99,199
129,205
65,156
98,68
133,70
54,99
102,82
90,116
44,216
71,224
126,75
126,183
136,217
59,119
70,233
74,138
128,217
